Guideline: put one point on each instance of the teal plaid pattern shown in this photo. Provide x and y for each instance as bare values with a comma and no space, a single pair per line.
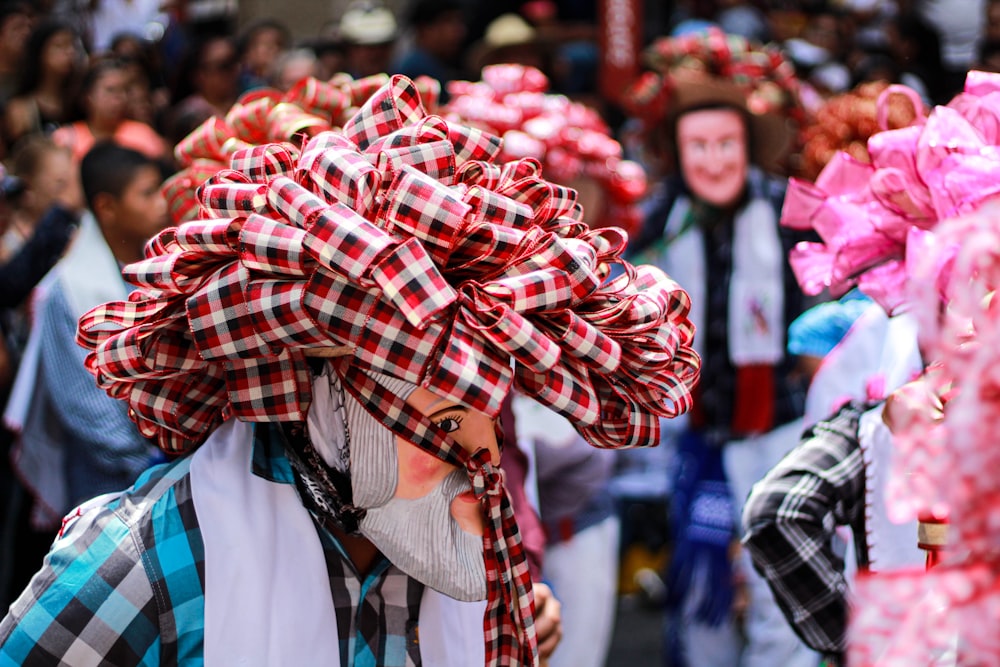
377,614
124,584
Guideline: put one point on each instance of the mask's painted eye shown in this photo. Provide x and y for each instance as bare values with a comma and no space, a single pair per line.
450,424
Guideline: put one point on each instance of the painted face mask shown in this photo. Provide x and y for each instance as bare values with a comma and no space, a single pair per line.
713,154
420,511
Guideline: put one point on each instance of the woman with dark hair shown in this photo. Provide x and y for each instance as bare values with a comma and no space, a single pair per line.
49,81
104,105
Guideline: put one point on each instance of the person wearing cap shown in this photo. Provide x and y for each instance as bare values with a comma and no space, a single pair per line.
326,351
368,31
509,38
723,109
816,334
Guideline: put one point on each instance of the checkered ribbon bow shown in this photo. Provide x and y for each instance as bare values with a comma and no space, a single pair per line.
265,115
871,217
397,240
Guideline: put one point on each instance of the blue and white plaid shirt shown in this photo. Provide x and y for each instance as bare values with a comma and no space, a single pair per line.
126,585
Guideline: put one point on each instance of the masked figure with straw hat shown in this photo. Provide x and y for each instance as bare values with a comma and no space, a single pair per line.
723,110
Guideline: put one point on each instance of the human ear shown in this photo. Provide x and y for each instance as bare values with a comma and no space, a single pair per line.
105,208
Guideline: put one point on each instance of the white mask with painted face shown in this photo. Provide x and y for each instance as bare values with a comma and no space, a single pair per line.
409,515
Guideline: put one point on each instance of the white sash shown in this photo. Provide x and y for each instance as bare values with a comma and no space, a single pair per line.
267,596
755,319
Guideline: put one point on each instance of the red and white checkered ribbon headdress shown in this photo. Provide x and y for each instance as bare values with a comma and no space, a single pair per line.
398,239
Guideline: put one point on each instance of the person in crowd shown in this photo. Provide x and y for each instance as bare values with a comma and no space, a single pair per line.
47,175
715,230
15,27
820,53
75,442
104,104
989,57
581,530
42,204
791,517
814,334
439,34
939,424
45,98
835,478
148,92
208,86
746,19
959,25
368,31
509,38
916,49
293,66
315,454
257,50
331,55
106,19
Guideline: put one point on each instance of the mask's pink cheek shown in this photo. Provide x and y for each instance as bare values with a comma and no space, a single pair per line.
468,513
419,472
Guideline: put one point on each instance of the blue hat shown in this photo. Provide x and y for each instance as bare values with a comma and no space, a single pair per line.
818,330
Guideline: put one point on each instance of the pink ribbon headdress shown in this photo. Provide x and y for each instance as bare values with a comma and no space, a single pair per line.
944,463
571,140
916,228
943,165
400,243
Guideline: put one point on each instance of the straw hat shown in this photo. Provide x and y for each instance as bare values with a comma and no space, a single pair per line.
368,23
506,38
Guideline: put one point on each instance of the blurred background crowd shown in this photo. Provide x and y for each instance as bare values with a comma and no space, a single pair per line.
144,73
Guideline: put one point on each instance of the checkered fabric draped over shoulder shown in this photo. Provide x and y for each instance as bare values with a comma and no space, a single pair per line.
399,237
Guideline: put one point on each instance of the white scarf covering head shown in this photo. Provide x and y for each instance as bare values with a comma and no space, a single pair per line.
419,535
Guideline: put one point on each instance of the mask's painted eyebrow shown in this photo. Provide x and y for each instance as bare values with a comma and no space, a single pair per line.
451,407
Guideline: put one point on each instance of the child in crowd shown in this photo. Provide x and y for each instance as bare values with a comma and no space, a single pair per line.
76,442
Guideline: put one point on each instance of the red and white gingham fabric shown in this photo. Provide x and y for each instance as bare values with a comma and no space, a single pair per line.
436,268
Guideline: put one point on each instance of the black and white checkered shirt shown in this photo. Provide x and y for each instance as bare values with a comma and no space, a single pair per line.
790,518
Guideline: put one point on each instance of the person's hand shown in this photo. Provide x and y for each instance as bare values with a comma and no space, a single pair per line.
548,621
741,593
915,403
